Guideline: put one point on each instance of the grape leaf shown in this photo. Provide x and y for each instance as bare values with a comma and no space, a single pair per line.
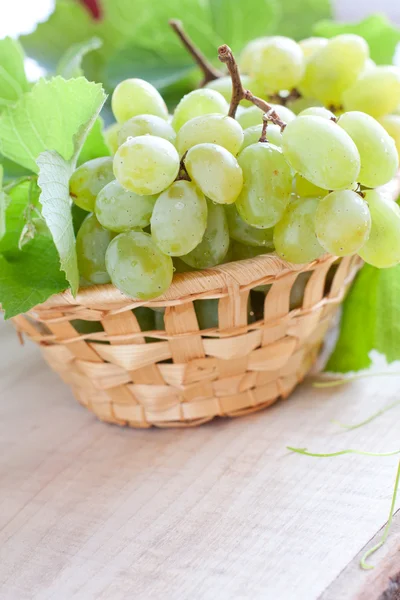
382,36
46,118
14,213
298,18
70,64
13,82
370,320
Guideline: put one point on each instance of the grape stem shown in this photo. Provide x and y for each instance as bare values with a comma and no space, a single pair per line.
209,71
240,93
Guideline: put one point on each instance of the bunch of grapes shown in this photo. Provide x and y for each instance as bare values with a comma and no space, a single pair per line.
294,169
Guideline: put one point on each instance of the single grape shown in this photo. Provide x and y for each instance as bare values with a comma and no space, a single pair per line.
197,103
376,92
342,222
249,53
143,125
382,248
88,179
254,116
252,135
322,152
392,125
134,97
213,129
369,66
179,218
267,185
331,70
242,232
294,236
215,243
378,154
146,164
284,112
278,64
223,85
92,242
137,267
243,252
119,209
305,188
215,171
317,111
111,137
312,45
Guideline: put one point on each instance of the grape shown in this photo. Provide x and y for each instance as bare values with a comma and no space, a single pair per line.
392,125
134,97
216,172
267,185
241,231
223,85
215,243
378,154
88,179
306,188
249,52
197,103
321,152
297,105
252,135
137,267
119,210
180,266
376,92
382,248
284,113
213,129
179,218
146,164
111,137
369,66
243,252
334,67
312,45
317,111
207,313
254,116
143,125
277,63
294,235
92,241
342,222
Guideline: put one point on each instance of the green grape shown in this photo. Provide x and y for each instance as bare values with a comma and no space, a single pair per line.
378,154
317,111
88,179
180,266
369,66
312,45
392,125
146,164
331,70
252,135
305,188
294,236
249,52
197,103
146,125
277,63
179,218
92,242
382,248
215,171
207,313
284,112
119,209
134,97
297,105
342,222
137,267
215,243
223,85
322,152
376,92
254,116
111,137
213,129
267,185
243,252
242,232
145,318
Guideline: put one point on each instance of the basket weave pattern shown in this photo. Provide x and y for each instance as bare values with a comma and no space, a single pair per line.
187,376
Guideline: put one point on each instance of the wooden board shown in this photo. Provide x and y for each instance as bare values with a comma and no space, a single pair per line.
92,511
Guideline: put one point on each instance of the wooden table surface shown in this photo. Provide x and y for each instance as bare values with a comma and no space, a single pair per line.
224,511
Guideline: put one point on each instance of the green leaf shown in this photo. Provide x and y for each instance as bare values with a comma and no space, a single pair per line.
95,145
70,64
13,82
30,276
299,17
382,36
46,118
11,170
370,320
14,208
